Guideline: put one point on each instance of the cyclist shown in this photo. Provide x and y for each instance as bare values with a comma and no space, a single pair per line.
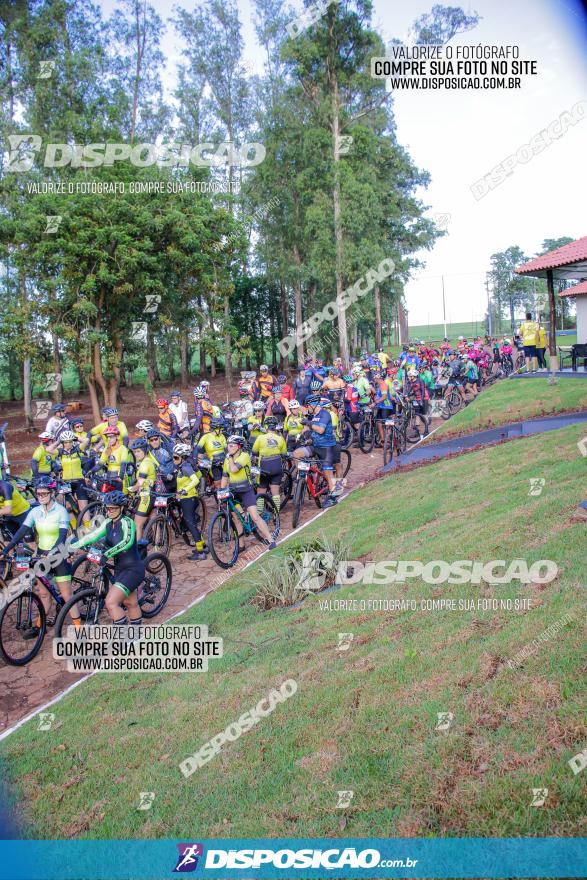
333,382
167,423
529,334
471,376
213,446
13,506
363,386
58,421
286,388
277,405
69,464
293,424
204,411
455,375
416,390
50,523
255,422
386,401
507,352
263,385
146,474
332,408
110,419
321,442
237,477
143,427
115,456
187,479
382,357
351,401
301,386
268,450
43,456
160,452
179,408
118,532
77,426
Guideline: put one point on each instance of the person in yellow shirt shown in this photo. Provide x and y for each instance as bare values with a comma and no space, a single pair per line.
146,473
237,477
115,457
212,445
43,456
529,334
382,357
68,464
268,449
188,480
541,347
98,433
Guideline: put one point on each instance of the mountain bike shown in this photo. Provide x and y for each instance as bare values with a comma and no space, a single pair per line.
367,430
168,522
394,438
91,579
223,538
311,481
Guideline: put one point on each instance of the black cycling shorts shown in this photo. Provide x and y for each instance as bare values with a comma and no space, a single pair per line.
325,455
336,454
128,579
79,489
271,472
246,497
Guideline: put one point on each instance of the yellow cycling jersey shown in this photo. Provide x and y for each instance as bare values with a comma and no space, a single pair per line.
147,471
528,332
44,458
188,480
114,459
213,445
19,503
99,431
243,475
269,445
71,464
335,422
382,357
293,425
254,423
80,436
541,339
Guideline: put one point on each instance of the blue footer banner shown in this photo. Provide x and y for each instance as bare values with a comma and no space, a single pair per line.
305,858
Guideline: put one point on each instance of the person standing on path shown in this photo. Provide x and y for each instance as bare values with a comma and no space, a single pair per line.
541,347
529,334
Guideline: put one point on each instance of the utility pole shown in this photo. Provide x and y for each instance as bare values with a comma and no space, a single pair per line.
444,307
489,319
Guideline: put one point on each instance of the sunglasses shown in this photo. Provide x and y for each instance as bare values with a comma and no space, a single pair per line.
154,439
42,492
177,457
112,507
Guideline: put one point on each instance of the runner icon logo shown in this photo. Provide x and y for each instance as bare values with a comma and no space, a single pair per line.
345,798
46,719
540,795
187,860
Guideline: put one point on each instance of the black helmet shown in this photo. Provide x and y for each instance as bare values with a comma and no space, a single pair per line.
216,422
116,499
270,422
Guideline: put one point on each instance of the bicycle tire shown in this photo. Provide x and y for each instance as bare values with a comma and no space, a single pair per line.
30,597
269,508
346,433
222,523
321,484
346,456
286,489
151,576
89,617
158,534
93,509
366,437
388,438
298,501
454,402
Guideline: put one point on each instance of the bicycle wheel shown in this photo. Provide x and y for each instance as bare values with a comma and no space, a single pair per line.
158,534
321,490
89,606
23,613
298,500
454,402
201,514
286,489
153,592
366,436
269,514
92,512
223,539
346,433
388,450
345,460
520,362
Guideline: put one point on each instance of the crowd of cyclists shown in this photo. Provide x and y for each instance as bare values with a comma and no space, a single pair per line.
248,451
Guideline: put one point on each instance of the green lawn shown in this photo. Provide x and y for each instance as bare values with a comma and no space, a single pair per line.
361,720
512,400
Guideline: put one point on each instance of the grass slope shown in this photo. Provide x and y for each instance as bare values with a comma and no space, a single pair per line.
361,720
513,400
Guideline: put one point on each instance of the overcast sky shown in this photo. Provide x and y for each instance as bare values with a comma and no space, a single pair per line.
459,136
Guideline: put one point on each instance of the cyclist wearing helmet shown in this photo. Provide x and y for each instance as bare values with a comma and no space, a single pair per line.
417,391
167,423
69,464
363,385
277,405
386,402
50,523
267,450
237,477
115,457
58,421
160,452
286,388
255,422
179,408
43,456
143,427
204,411
301,385
118,533
382,357
146,474
322,441
97,434
77,426
263,384
188,479
213,446
293,424
13,506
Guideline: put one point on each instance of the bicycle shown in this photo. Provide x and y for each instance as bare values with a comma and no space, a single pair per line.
417,424
367,430
92,578
394,438
168,522
223,539
309,479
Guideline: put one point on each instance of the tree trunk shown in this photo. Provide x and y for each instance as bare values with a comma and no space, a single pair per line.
298,305
402,320
27,394
183,355
284,361
213,366
170,357
342,325
378,334
152,370
94,400
57,386
272,333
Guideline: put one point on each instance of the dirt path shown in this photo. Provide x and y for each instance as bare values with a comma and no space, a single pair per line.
24,690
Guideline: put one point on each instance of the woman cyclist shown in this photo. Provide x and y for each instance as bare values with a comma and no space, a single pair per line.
277,406
118,533
147,467
268,449
212,445
188,480
237,477
69,465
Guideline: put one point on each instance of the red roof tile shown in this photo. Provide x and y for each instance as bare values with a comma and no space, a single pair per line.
576,290
574,252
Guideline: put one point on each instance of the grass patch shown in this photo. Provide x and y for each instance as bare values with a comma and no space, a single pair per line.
513,401
363,719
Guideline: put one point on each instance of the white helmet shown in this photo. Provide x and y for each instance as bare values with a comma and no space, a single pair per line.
461,338
357,371
46,435
144,425
412,372
294,404
204,383
259,406
67,435
182,449
199,391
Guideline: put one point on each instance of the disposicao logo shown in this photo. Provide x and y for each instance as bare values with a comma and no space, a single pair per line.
187,860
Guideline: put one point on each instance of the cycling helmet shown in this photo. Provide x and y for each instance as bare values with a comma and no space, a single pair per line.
412,372
57,407
259,406
507,342
140,443
162,403
462,339
204,383
46,483
74,422
115,499
67,435
199,391
345,378
357,371
236,439
111,431
264,368
182,449
277,389
144,425
46,436
217,422
153,433
315,384
174,394
243,391
325,401
313,400
271,422
294,404
109,411
364,354
282,379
